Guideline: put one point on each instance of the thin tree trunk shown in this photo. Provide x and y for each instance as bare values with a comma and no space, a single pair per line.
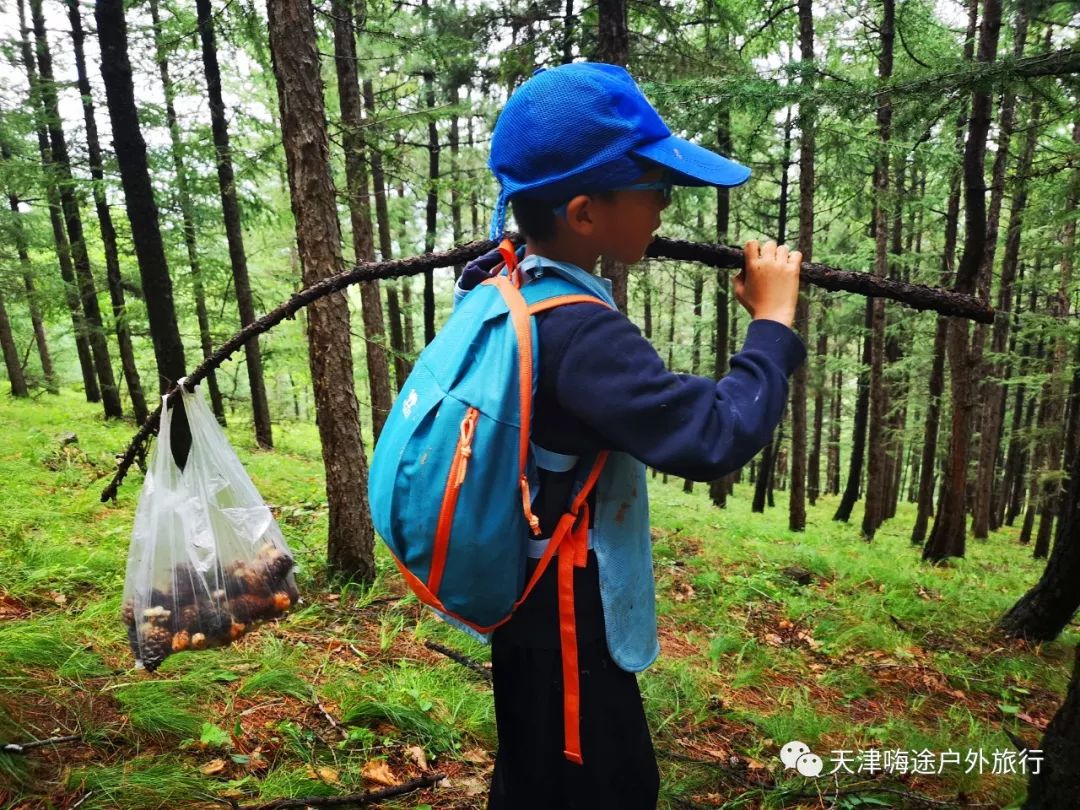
142,210
234,233
877,461
832,449
183,196
455,193
32,300
719,488
360,209
858,440
402,366
797,502
993,395
613,47
432,207
293,47
11,354
108,232
948,536
63,251
99,346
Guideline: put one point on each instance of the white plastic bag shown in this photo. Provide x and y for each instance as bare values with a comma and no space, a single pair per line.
207,559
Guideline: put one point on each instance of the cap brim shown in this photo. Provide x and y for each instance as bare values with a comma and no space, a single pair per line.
694,165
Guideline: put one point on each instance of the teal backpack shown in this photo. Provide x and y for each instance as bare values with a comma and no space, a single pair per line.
449,481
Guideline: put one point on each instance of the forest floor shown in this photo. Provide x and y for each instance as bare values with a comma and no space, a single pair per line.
878,652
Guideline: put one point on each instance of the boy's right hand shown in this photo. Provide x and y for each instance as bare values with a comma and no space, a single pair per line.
768,286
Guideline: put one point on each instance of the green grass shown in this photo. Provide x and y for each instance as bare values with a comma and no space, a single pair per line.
878,651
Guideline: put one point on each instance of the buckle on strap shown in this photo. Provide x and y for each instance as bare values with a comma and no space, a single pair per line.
536,548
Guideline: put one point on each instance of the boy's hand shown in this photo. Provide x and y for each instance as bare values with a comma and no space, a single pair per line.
768,286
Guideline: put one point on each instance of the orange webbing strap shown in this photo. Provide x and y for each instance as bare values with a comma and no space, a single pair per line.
519,317
563,300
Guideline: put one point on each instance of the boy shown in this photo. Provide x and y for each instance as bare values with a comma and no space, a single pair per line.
588,165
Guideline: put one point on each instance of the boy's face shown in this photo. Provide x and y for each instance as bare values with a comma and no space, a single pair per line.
622,227
628,221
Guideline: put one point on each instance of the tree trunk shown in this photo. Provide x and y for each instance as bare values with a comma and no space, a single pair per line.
613,47
34,303
1055,437
455,193
183,196
432,205
63,251
719,488
1044,611
234,233
797,502
11,354
99,346
130,149
993,395
356,179
1056,784
832,449
877,461
293,47
402,366
858,440
948,536
108,232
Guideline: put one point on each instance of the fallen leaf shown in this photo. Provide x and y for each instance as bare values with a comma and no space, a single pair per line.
58,598
772,638
473,787
1038,722
416,754
327,774
477,756
214,767
379,772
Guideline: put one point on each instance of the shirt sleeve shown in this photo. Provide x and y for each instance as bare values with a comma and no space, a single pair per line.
475,272
612,379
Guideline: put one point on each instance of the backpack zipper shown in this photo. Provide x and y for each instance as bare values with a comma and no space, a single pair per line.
454,480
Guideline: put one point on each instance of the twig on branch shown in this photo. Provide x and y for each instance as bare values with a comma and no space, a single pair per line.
353,799
919,297
22,748
461,658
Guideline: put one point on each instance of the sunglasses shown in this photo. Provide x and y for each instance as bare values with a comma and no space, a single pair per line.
664,186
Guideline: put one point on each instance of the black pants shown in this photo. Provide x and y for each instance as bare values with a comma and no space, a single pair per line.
531,773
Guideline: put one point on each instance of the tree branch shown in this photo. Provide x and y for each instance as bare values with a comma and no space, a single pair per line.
352,800
914,295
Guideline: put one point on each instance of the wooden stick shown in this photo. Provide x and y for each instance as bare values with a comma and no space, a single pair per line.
352,800
22,748
917,296
461,658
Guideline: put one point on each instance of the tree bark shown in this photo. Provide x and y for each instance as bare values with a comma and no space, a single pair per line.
130,149
99,346
56,220
797,501
183,197
32,300
948,536
293,47
613,47
877,461
718,488
356,180
108,232
832,449
858,440
432,204
993,395
402,366
1055,785
234,232
16,379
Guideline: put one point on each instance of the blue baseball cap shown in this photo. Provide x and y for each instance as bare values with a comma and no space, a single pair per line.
587,126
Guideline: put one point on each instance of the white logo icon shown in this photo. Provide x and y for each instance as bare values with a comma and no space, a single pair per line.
410,402
798,755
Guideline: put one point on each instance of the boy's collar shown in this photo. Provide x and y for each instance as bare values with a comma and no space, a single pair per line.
535,266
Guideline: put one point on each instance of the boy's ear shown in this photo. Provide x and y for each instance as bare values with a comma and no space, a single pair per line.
580,215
